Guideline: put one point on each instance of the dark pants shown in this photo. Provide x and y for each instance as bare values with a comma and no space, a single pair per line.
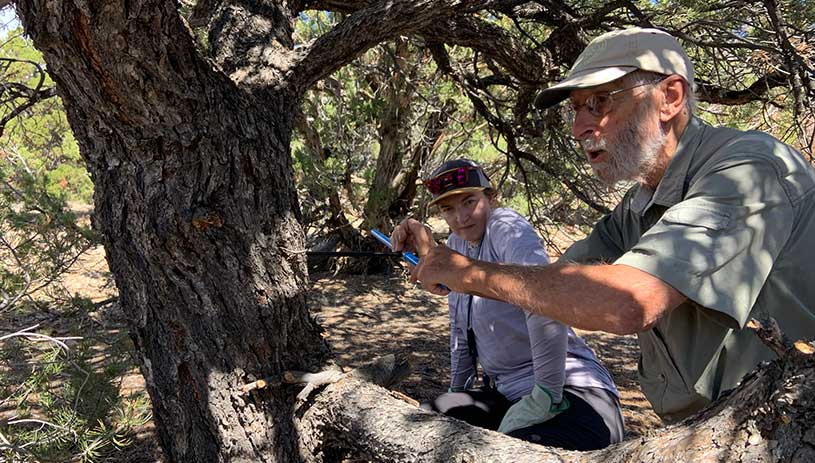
580,427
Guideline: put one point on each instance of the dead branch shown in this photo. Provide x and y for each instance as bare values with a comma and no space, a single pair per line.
368,27
770,334
383,371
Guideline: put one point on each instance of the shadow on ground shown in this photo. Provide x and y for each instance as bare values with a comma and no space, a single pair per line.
369,316
365,316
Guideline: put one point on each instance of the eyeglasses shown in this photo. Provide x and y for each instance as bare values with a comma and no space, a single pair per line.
451,179
600,104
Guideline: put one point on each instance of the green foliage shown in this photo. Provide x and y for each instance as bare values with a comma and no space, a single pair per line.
40,237
67,403
337,146
40,171
40,137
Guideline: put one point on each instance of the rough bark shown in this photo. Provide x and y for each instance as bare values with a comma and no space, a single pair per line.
195,199
769,417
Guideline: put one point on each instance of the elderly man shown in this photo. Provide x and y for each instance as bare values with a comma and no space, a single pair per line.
716,229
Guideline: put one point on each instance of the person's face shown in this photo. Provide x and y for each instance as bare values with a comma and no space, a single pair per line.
625,143
466,214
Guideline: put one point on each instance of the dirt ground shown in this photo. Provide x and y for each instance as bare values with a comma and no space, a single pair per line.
365,316
373,315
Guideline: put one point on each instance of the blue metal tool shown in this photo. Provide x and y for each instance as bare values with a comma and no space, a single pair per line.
409,256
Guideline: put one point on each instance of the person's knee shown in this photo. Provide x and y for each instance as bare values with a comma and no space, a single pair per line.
429,406
475,408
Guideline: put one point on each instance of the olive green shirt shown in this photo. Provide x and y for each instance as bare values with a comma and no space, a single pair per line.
730,226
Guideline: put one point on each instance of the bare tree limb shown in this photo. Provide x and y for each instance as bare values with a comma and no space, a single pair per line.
767,418
33,98
339,6
492,40
758,90
12,92
366,28
770,334
798,71
520,154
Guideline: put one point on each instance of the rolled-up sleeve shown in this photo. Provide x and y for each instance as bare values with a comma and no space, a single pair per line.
718,246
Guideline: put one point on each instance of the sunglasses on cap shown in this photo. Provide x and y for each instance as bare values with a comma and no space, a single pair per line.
459,177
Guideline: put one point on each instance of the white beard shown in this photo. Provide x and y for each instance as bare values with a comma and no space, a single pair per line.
634,154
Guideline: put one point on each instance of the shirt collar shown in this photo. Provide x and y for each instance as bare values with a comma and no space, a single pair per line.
671,188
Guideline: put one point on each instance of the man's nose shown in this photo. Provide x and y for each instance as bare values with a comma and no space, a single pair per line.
584,124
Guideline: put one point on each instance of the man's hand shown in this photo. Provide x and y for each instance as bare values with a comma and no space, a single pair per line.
412,236
442,266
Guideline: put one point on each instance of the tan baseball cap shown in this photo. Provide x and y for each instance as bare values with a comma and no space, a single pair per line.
617,53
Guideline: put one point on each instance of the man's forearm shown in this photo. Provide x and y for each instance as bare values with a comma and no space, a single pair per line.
614,298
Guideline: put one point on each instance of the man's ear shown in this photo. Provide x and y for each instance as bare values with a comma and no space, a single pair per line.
676,91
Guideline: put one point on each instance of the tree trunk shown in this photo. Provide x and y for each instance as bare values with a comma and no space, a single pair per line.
195,199
392,135
434,132
769,417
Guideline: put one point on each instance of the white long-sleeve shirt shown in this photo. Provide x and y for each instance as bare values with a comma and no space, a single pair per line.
516,349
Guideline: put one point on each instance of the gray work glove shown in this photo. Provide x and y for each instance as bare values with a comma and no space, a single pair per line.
533,408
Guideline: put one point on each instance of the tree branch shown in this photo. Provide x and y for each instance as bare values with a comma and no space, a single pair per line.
757,91
768,417
33,98
366,28
339,6
770,334
11,92
493,41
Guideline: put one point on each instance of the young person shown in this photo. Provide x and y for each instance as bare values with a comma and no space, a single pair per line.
539,381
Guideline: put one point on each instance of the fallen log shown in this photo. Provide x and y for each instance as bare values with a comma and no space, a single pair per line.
770,416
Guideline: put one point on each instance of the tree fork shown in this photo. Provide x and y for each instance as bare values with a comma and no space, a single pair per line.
195,198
